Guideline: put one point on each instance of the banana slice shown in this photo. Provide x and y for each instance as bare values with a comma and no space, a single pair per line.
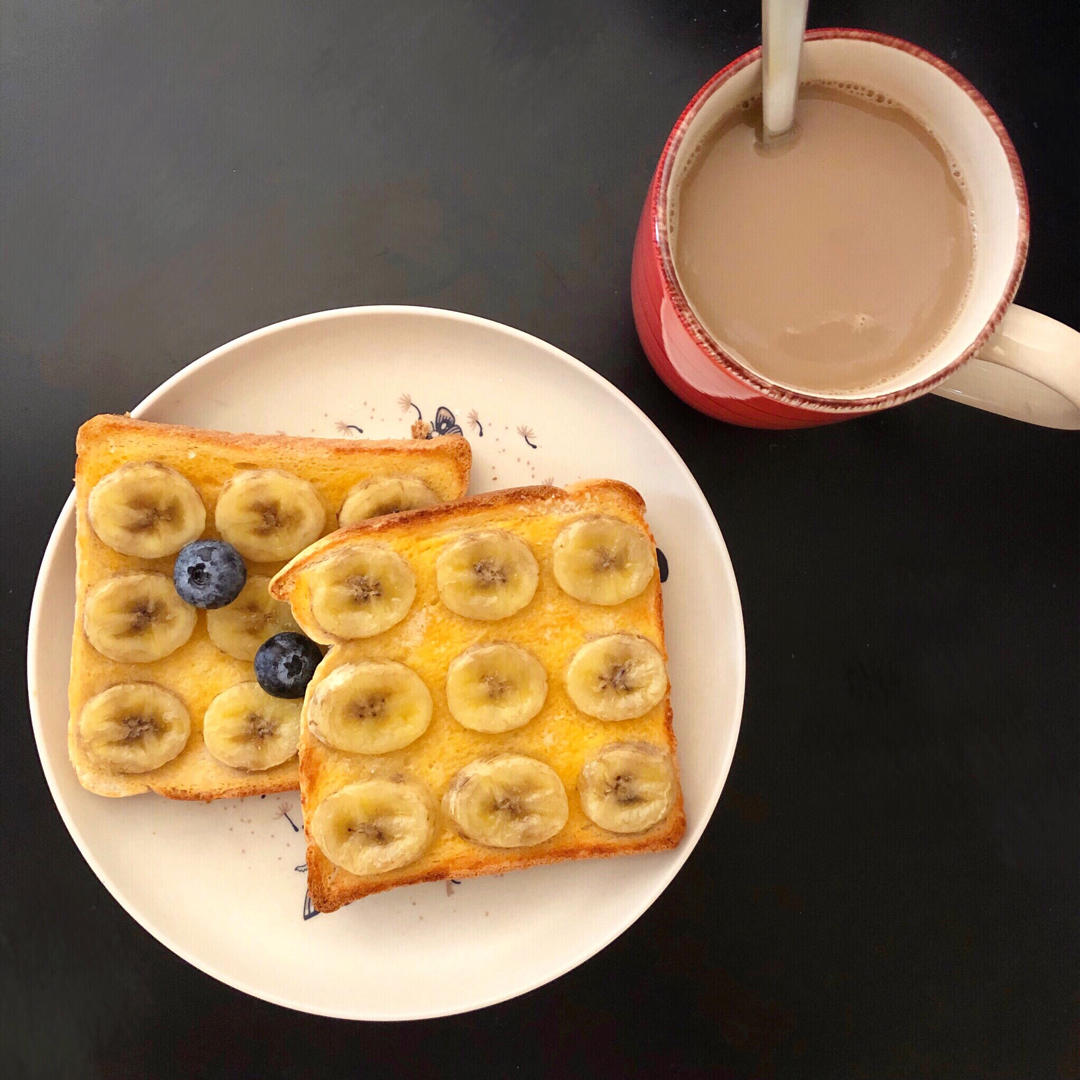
134,727
136,618
146,509
602,560
486,575
627,787
269,515
241,627
384,495
506,801
370,707
375,825
495,688
617,677
360,591
245,728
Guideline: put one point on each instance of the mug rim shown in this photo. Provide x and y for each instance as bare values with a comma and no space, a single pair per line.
716,352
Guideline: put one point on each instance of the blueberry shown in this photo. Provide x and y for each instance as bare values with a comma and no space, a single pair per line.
285,663
661,560
209,573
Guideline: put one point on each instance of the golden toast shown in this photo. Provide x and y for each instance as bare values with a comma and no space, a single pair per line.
495,696
192,674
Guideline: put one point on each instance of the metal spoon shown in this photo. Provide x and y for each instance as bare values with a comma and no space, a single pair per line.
783,24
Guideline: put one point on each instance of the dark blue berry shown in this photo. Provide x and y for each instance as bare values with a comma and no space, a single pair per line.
285,663
209,573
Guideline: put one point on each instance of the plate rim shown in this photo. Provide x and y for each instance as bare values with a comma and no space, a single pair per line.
51,554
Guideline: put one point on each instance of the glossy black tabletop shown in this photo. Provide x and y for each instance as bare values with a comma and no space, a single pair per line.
889,885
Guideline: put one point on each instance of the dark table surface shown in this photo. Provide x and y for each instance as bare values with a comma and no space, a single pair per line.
889,886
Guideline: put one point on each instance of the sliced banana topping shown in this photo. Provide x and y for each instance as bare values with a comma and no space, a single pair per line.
486,575
375,825
506,801
146,509
370,707
384,495
602,560
617,677
245,728
627,787
495,687
136,618
134,727
359,591
269,515
241,627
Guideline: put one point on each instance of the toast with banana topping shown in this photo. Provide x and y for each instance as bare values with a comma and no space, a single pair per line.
178,533
495,695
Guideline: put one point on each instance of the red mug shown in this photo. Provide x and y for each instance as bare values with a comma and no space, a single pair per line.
997,356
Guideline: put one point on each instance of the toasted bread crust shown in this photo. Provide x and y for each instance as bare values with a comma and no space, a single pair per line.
453,449
330,886
208,458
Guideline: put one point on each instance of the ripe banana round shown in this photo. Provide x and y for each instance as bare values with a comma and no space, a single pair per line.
146,509
617,677
269,515
241,627
245,728
486,575
506,801
370,707
384,495
134,727
495,687
627,787
602,560
360,591
136,618
375,825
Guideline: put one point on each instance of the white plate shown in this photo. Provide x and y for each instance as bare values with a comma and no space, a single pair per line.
221,884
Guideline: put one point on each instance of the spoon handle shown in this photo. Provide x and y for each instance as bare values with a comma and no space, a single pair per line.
783,24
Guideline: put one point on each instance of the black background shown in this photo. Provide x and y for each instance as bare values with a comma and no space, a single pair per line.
888,887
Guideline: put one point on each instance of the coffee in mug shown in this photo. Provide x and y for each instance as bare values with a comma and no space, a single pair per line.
835,259
876,243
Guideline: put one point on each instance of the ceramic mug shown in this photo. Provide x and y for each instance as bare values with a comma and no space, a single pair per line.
997,356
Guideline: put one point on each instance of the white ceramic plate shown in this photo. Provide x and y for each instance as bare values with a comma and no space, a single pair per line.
222,884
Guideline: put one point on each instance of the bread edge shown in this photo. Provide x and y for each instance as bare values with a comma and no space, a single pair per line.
456,447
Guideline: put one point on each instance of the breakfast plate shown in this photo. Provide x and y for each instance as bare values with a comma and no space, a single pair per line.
222,884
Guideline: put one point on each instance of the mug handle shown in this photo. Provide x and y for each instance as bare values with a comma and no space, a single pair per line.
1028,370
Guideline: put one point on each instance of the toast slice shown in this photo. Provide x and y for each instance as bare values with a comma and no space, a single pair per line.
553,626
198,670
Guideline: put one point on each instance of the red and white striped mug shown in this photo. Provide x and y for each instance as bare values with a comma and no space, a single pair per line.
997,356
